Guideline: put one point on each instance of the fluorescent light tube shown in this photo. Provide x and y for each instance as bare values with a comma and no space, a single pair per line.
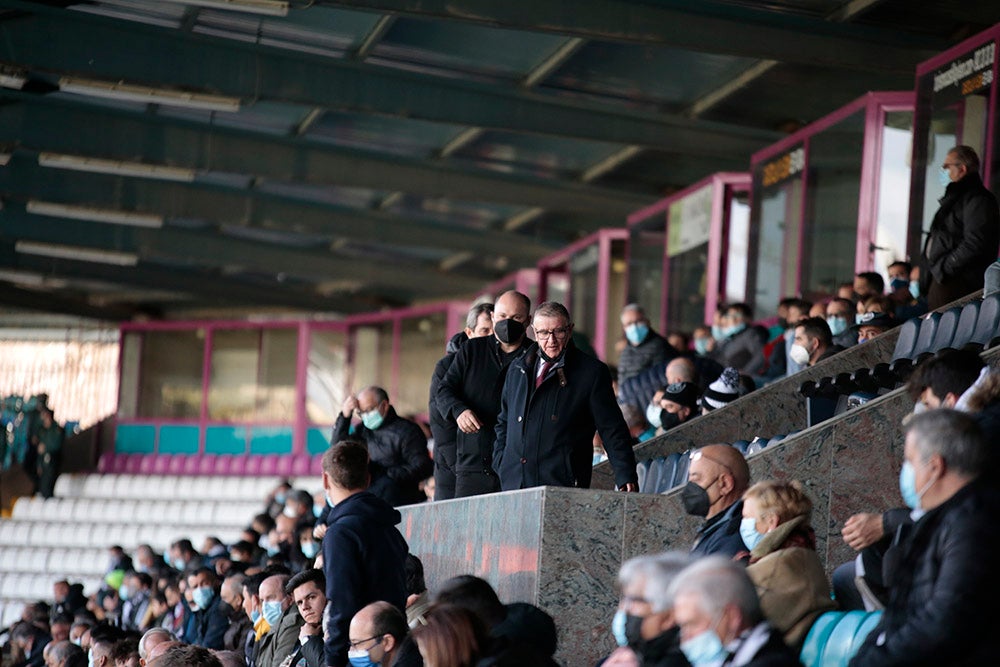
76,253
116,167
111,216
269,7
119,90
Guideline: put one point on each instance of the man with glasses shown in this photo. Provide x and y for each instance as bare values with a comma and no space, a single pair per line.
379,636
397,446
553,401
469,393
964,235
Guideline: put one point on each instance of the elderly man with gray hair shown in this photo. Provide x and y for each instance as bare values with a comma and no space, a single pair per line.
720,620
644,625
941,578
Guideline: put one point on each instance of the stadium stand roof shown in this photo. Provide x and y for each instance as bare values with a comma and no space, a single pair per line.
165,156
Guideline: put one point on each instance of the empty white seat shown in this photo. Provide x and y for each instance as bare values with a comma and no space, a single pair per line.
12,610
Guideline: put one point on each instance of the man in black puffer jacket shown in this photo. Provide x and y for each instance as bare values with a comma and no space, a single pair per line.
941,580
397,447
964,235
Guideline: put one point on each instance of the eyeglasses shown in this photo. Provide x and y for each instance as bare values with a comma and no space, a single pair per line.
354,645
560,333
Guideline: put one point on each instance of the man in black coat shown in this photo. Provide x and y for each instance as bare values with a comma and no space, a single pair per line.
396,446
964,234
478,323
470,393
941,582
211,618
644,346
553,400
364,554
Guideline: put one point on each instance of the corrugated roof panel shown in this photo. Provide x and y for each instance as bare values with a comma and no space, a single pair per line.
462,47
548,157
466,214
400,136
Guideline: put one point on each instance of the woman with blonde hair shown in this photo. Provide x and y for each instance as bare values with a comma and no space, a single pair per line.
790,580
451,636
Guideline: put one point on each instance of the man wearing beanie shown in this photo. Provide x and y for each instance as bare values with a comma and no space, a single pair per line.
723,391
679,402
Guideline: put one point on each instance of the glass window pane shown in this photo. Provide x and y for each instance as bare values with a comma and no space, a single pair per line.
170,385
776,242
830,234
583,292
686,289
326,378
128,389
616,301
739,249
893,190
276,382
647,241
423,343
233,376
372,356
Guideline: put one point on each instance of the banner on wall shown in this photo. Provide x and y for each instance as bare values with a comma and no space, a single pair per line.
690,222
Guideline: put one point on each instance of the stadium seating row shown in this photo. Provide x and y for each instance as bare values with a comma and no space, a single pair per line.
836,636
298,465
10,611
32,587
91,562
664,473
153,531
974,326
221,513
169,487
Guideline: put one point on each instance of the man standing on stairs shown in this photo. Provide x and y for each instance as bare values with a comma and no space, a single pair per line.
470,392
553,401
964,235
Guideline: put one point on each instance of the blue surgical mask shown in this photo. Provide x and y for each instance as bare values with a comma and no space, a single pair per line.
599,458
908,486
359,658
273,551
618,627
717,332
372,419
329,502
124,592
898,283
636,333
701,346
653,415
317,510
944,178
202,596
748,531
310,549
733,329
279,498
272,613
254,616
915,288
703,649
838,325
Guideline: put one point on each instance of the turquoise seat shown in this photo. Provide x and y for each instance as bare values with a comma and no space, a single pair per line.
836,636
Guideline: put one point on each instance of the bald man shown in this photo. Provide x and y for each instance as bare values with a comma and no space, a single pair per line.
377,632
681,369
717,478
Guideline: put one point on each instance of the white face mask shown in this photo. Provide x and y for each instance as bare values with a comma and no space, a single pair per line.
799,355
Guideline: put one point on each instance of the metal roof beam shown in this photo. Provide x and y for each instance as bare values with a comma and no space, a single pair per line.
711,26
230,205
68,43
179,246
47,123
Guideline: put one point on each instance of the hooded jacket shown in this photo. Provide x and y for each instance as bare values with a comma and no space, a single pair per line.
364,556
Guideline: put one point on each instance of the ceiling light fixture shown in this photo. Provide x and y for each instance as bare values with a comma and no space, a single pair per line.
128,92
110,216
115,167
76,253
269,7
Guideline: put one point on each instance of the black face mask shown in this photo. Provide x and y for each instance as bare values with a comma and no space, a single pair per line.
668,420
656,649
508,331
633,630
695,500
